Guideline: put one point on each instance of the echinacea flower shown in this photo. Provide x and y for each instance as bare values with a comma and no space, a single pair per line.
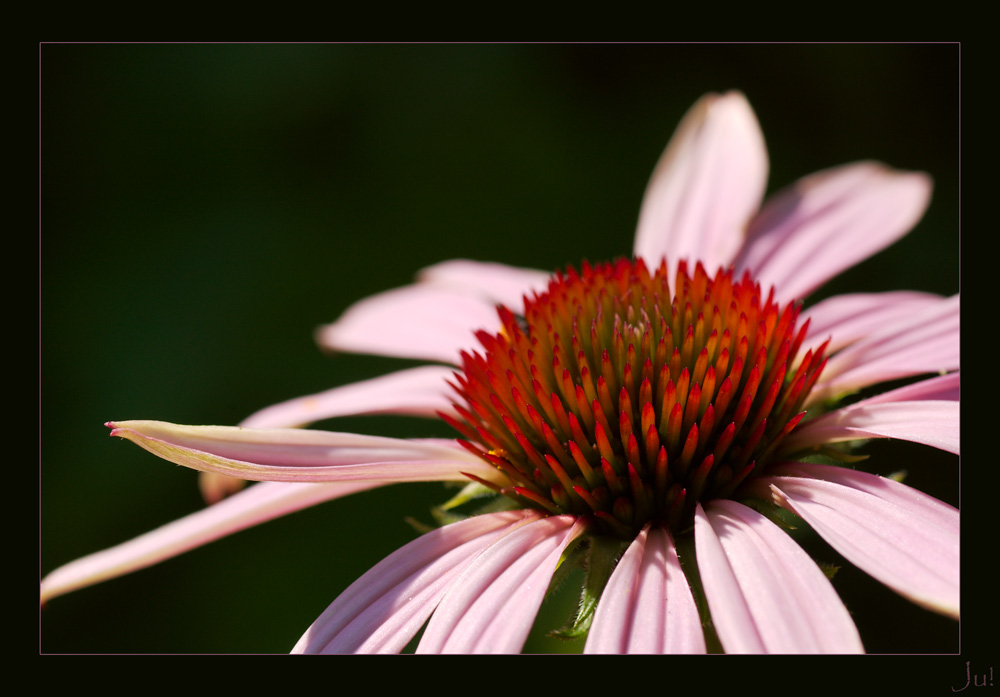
654,420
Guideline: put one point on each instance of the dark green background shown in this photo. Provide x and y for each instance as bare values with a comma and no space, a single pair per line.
205,207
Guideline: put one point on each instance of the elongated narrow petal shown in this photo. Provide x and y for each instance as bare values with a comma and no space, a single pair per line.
904,538
846,318
923,342
498,283
250,507
706,186
293,455
384,609
418,321
926,412
764,592
419,391
492,604
830,221
647,605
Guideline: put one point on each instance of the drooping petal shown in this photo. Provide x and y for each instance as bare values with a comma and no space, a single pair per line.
250,507
828,222
384,609
498,283
926,412
923,342
647,605
904,538
706,186
846,318
422,391
765,594
418,321
293,455
419,391
492,604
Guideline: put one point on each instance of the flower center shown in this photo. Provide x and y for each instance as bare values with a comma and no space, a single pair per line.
618,397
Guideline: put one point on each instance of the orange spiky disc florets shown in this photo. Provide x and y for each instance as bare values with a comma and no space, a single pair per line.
618,397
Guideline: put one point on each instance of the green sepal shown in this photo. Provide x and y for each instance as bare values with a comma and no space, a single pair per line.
421,527
828,454
829,570
839,455
479,499
684,544
573,557
601,557
469,492
781,517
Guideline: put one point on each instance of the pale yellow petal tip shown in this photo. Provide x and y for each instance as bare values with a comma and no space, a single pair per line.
936,605
717,100
53,588
325,337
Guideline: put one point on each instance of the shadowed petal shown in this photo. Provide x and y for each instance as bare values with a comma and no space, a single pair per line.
492,604
846,318
215,487
384,609
498,283
419,391
765,594
922,342
294,455
647,605
418,321
828,222
250,507
926,412
904,538
941,388
706,186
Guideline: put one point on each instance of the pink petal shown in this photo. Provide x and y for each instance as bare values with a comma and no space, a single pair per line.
934,423
923,342
647,606
419,391
294,455
829,221
765,594
498,283
846,318
941,388
706,186
384,609
907,540
255,505
422,391
492,604
419,321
